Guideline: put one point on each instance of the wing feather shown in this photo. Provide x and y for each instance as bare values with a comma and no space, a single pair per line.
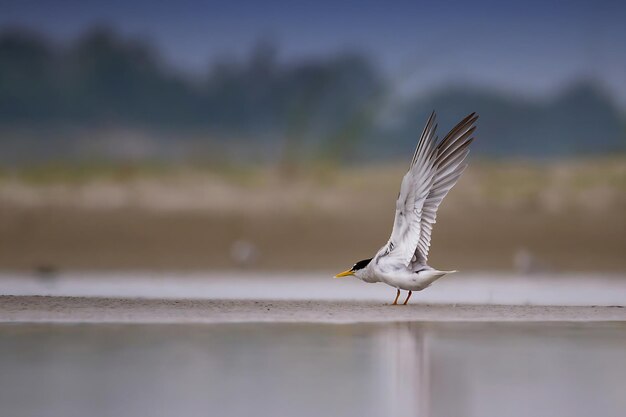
435,168
449,166
414,189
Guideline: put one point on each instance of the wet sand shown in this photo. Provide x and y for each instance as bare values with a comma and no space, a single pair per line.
24,309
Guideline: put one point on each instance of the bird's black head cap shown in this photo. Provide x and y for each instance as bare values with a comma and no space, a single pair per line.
361,264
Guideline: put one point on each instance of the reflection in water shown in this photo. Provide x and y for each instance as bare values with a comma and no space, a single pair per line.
403,359
398,369
503,370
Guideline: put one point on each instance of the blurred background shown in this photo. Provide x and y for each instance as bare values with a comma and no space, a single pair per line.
189,135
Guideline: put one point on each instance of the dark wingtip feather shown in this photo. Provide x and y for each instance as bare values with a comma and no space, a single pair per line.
462,126
427,128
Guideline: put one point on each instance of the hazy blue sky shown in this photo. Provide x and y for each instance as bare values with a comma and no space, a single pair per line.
529,47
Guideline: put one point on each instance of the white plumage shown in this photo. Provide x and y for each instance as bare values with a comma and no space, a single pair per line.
435,168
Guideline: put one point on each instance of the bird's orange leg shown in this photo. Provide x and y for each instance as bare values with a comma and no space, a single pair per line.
395,302
407,298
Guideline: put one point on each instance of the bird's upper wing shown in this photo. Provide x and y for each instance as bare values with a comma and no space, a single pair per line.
449,165
414,190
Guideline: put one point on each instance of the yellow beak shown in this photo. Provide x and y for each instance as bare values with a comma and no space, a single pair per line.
345,274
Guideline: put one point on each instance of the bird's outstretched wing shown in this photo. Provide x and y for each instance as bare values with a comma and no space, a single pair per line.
414,190
434,170
449,164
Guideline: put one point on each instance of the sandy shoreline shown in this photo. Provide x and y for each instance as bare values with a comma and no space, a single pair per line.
42,309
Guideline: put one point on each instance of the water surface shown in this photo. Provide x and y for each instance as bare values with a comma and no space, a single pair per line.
419,369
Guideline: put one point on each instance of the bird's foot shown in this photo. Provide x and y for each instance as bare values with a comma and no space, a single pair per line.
395,302
407,298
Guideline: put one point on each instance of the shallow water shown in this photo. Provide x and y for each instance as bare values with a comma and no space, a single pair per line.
419,369
581,289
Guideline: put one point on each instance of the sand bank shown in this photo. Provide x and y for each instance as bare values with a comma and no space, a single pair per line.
117,310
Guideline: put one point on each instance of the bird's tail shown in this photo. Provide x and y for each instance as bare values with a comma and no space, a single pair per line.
429,276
